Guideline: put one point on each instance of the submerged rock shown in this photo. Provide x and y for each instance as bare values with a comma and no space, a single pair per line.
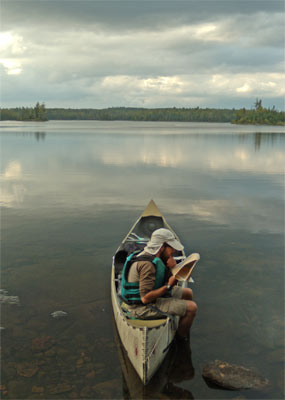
50,353
42,344
91,374
86,393
233,377
27,369
59,388
5,299
3,390
107,390
79,362
59,314
38,389
18,389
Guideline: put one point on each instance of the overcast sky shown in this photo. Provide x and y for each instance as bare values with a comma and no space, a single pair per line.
97,54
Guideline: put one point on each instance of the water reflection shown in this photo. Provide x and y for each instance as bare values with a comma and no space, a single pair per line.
13,171
262,138
69,197
40,135
176,368
222,152
218,178
12,188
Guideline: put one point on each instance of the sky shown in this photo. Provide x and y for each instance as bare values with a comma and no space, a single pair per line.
140,53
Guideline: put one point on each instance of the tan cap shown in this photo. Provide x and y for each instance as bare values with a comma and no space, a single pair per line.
159,237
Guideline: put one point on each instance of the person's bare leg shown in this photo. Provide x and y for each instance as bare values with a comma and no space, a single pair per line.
186,322
187,294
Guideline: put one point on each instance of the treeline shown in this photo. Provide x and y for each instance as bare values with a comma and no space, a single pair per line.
37,113
144,114
259,115
124,114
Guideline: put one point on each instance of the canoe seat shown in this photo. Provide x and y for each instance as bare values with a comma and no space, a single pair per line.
149,323
140,323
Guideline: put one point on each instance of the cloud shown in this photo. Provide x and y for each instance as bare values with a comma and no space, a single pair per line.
11,67
127,15
11,47
11,43
156,54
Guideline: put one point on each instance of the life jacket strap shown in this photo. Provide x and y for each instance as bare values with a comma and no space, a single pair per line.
133,302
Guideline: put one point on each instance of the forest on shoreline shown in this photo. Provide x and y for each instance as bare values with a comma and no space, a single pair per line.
259,115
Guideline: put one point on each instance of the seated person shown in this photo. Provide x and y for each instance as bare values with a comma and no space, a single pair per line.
147,288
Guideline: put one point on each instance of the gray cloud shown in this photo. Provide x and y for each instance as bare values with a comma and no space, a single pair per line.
137,53
130,14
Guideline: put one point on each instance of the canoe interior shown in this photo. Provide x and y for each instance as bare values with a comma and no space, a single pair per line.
143,229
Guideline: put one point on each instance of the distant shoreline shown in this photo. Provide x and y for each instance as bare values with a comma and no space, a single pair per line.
258,116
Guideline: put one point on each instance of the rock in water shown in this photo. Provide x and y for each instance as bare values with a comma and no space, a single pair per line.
233,377
59,314
27,369
59,388
5,299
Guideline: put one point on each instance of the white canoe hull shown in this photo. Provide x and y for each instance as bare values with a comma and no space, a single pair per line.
146,347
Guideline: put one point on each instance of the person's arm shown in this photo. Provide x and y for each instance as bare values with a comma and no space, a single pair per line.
154,294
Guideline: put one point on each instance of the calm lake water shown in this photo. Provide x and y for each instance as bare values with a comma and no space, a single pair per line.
70,191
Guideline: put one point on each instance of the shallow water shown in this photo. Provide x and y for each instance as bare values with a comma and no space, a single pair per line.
71,191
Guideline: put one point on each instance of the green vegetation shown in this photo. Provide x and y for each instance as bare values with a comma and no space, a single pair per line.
37,113
145,114
124,114
259,115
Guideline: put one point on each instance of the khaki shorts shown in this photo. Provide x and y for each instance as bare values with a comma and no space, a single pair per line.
172,305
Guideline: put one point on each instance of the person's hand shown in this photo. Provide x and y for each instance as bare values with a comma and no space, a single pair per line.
172,280
171,262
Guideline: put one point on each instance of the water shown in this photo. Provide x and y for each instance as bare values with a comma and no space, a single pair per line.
71,191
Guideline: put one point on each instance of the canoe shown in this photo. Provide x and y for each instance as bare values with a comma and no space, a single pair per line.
177,367
146,341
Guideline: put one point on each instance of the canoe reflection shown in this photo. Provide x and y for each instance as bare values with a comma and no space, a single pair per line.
176,368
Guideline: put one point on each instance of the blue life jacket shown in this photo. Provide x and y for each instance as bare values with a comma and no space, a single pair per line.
131,290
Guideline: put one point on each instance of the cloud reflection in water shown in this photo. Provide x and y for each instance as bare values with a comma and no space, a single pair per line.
221,178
